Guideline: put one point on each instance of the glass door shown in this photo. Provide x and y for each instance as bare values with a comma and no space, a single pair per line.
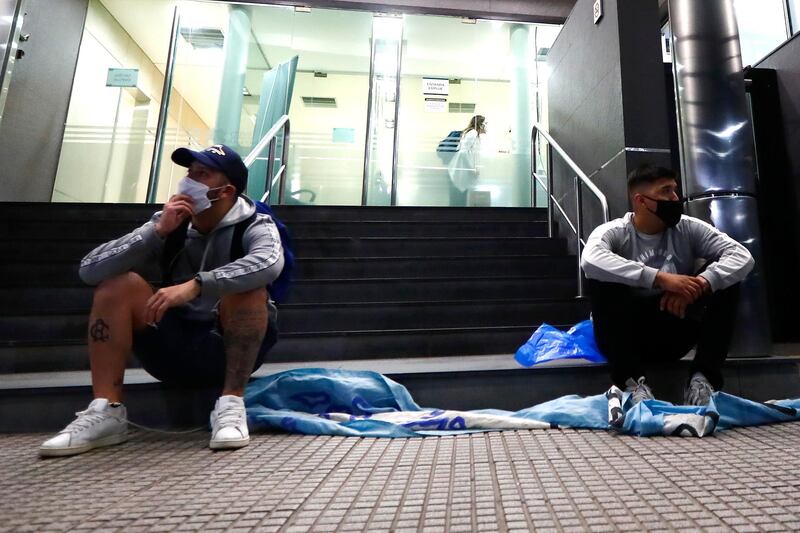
379,166
470,92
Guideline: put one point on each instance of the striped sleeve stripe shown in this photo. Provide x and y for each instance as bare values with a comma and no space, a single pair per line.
111,252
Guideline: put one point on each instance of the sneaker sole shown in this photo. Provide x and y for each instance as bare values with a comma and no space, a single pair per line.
229,444
111,440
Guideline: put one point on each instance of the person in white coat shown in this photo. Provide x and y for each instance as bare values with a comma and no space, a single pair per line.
464,167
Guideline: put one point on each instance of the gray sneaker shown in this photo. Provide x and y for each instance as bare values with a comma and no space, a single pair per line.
101,424
698,391
639,390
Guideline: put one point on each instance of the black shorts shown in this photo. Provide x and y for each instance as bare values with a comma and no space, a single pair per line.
190,352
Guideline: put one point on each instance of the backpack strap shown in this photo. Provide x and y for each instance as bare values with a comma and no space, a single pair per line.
172,247
237,248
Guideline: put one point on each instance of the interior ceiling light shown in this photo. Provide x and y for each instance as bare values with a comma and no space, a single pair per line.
467,20
302,9
203,37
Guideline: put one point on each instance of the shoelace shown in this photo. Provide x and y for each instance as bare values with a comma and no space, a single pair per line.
229,416
700,390
642,391
85,419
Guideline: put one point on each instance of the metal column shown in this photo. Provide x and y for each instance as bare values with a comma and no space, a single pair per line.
716,139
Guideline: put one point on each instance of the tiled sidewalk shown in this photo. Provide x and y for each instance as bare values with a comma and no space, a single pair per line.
555,480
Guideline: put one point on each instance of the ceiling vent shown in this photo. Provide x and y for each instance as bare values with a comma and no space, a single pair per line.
203,37
318,101
455,107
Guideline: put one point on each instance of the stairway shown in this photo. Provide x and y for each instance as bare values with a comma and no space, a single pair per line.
370,282
437,298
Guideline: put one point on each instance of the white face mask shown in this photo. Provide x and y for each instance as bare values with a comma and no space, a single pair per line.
197,192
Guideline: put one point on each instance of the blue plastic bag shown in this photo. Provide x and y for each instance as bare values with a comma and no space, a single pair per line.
548,344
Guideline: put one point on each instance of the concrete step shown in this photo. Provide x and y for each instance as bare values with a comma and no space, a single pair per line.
322,347
15,211
305,318
74,250
46,402
101,230
65,274
35,299
424,246
293,214
416,228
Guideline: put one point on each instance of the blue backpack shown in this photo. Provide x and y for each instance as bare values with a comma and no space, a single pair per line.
278,290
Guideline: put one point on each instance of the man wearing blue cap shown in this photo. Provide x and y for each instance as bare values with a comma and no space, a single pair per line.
209,322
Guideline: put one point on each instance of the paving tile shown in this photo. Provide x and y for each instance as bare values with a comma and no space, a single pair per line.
515,481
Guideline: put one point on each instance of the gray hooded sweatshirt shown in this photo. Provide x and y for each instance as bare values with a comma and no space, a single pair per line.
616,252
207,255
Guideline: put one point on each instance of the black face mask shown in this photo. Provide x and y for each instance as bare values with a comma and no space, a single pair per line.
669,211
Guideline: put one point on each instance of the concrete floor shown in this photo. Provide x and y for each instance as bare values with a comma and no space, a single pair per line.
553,480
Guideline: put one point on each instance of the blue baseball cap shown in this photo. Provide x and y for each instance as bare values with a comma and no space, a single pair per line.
221,157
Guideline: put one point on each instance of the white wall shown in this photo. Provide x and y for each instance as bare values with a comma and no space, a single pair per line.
91,169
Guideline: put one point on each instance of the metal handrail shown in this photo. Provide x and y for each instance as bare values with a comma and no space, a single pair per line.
579,179
270,138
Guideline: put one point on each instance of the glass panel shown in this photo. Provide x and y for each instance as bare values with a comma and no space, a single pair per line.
108,138
386,36
329,104
457,74
762,27
328,90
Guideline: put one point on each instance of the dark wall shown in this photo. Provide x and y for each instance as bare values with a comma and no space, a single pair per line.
38,98
607,100
786,62
775,95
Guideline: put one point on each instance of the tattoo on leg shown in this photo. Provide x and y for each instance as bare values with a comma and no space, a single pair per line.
243,339
100,331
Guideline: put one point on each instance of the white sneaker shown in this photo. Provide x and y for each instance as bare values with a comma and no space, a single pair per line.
101,424
229,424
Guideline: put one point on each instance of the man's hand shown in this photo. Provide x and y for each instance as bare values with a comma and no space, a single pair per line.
167,297
686,286
674,304
704,283
175,211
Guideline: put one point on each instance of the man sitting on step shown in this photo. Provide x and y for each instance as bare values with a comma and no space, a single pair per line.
650,301
207,325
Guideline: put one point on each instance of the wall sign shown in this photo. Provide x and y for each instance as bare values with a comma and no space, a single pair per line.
436,105
344,135
598,10
436,86
122,77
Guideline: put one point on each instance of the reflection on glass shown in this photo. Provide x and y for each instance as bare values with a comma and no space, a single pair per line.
452,72
109,132
386,38
328,109
328,92
762,27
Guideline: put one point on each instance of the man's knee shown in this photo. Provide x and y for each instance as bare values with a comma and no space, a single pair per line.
253,298
121,287
249,301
